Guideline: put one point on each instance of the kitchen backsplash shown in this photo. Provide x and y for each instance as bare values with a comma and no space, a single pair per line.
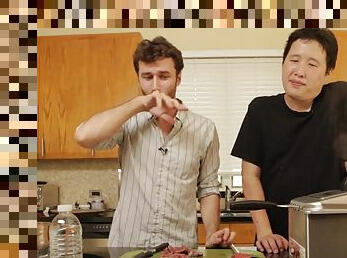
76,177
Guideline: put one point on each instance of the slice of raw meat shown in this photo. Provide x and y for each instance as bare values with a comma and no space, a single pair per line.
179,252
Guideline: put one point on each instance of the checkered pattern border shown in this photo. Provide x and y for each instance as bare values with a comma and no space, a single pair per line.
19,21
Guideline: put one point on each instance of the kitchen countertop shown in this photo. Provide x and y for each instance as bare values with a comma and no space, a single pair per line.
87,217
230,216
107,216
116,252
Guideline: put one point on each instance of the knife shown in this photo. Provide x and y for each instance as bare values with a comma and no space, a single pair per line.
150,251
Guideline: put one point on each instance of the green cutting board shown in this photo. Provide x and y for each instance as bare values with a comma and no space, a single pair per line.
131,254
208,253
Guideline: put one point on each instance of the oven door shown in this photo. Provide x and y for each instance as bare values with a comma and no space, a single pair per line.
95,235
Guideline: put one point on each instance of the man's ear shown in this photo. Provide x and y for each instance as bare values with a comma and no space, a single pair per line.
178,79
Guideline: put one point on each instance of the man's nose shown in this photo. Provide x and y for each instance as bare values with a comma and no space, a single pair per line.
155,83
300,70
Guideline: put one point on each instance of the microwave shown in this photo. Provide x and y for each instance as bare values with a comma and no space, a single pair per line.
47,196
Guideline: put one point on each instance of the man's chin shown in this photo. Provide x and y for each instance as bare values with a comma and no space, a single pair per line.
295,95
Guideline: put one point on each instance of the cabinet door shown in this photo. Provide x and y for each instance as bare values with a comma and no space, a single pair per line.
245,232
78,76
339,73
202,232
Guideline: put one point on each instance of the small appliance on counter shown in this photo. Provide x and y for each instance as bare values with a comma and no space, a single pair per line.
47,195
96,203
318,225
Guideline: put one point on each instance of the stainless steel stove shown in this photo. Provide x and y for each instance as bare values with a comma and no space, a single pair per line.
96,225
95,229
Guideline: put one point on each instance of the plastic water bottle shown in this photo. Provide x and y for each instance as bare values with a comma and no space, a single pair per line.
65,234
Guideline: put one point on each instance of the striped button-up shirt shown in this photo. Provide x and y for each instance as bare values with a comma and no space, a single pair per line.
161,177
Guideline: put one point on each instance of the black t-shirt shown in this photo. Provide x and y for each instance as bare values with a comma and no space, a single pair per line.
296,151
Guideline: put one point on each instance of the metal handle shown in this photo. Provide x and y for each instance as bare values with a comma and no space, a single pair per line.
250,205
235,249
237,194
93,153
42,147
227,198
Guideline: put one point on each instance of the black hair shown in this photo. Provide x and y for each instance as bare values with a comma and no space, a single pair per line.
323,36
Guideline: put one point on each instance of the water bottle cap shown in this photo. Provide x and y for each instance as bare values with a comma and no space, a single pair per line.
64,207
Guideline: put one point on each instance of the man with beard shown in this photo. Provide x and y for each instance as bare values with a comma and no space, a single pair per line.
167,155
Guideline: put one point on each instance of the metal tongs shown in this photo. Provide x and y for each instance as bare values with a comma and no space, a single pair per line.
235,250
251,205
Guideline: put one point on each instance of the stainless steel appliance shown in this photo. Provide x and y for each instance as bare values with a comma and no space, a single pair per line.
95,228
318,225
47,195
96,200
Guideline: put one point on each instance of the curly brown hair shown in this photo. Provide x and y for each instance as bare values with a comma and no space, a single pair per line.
149,51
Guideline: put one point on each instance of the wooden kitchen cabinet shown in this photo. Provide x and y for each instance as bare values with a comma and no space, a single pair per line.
339,73
245,232
78,76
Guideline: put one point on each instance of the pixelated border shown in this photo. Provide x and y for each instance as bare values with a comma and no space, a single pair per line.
18,73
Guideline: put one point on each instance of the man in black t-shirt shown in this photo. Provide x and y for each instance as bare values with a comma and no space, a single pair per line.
287,142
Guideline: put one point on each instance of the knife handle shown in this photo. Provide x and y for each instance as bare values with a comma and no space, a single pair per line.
144,255
251,205
160,247
152,251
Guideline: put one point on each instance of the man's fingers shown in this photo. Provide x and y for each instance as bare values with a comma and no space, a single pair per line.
173,103
230,239
165,107
217,237
179,106
167,101
226,234
279,243
259,246
220,233
213,240
266,245
161,113
158,98
273,245
221,238
285,243
168,118
156,111
163,101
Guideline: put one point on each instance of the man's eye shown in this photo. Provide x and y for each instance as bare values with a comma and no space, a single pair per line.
312,65
294,60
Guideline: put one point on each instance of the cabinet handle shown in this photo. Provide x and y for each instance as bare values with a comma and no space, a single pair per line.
42,147
93,153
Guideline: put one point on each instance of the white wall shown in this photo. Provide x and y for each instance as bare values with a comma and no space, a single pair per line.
197,39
